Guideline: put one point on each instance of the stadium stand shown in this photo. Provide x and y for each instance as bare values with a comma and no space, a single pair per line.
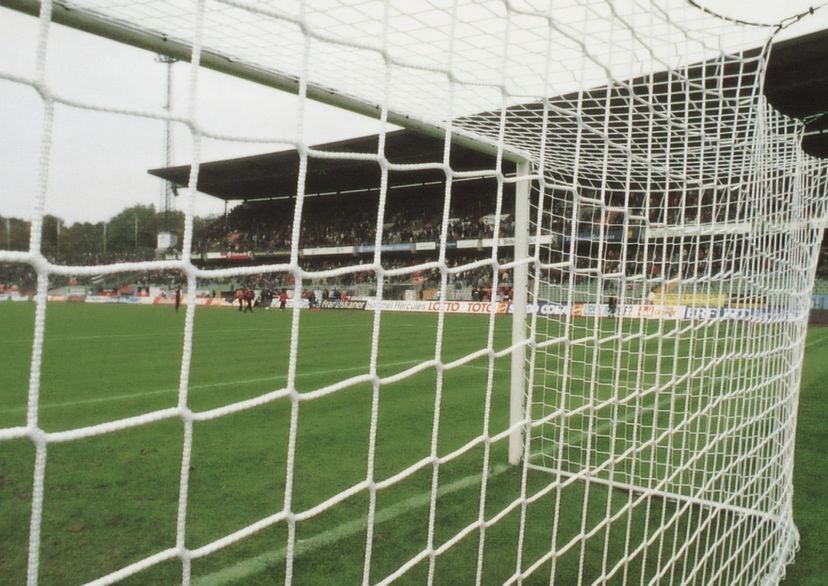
260,229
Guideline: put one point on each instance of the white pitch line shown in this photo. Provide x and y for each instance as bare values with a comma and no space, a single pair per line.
126,396
253,565
200,331
256,564
815,342
259,563
153,335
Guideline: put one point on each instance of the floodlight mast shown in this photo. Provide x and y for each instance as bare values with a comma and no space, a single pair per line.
167,190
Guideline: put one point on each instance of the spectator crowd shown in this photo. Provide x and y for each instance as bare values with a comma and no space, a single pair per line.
604,233
349,220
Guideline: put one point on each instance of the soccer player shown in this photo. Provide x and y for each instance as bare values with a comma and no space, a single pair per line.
612,302
266,297
240,298
249,296
282,299
177,297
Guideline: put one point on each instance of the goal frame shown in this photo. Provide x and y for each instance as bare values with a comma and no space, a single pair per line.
175,49
525,259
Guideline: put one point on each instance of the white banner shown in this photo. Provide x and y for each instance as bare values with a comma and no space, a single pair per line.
290,304
17,297
473,307
328,250
131,299
391,305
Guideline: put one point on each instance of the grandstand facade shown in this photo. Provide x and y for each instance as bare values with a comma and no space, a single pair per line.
341,195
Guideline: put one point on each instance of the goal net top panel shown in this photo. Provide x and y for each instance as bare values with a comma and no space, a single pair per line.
665,68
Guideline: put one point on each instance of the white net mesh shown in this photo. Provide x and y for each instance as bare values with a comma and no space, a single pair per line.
672,232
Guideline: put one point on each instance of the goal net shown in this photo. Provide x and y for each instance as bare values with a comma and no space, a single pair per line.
656,223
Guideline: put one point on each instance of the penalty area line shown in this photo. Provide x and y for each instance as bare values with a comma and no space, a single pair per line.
256,564
170,390
208,386
815,342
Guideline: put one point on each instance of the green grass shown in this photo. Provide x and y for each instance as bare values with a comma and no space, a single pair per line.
112,499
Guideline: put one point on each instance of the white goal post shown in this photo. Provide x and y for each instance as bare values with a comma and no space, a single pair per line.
664,227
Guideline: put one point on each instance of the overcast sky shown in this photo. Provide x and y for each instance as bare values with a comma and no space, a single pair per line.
99,160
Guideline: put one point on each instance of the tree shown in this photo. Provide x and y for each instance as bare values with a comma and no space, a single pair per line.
50,234
82,238
14,234
134,228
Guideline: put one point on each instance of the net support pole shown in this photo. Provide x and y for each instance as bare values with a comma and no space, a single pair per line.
520,290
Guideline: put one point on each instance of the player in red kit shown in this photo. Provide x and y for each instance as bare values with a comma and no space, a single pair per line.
282,299
177,297
249,296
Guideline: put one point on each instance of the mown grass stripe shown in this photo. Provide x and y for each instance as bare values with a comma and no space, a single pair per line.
254,565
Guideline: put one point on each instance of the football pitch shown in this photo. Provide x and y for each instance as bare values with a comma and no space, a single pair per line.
113,499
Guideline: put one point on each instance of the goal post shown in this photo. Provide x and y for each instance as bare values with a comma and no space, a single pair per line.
520,300
661,242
